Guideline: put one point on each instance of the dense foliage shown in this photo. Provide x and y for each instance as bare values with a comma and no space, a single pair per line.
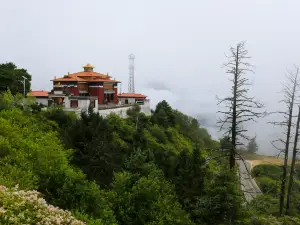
33,157
268,178
159,169
12,78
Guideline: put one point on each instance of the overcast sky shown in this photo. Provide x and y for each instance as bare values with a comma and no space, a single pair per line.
179,46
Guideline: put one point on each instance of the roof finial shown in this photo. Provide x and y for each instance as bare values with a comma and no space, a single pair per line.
88,68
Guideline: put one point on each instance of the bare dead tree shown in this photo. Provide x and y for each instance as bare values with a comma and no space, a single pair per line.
290,90
239,107
291,181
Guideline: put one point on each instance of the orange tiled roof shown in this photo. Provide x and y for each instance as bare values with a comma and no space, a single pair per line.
87,76
65,79
38,94
131,95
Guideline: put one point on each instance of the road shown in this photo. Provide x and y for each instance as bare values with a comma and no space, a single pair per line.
248,184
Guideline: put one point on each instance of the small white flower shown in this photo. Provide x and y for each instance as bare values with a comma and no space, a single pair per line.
2,211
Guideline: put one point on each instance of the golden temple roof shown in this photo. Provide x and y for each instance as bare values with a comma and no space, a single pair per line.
88,66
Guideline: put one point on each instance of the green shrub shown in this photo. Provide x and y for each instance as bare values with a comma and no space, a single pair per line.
271,171
271,220
159,134
61,117
268,185
146,200
33,157
264,205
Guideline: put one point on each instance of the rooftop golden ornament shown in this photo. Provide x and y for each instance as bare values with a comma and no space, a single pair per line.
88,66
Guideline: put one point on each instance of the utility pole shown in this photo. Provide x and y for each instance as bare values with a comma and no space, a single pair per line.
24,83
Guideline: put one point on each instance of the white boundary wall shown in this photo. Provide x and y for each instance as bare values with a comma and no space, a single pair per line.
121,111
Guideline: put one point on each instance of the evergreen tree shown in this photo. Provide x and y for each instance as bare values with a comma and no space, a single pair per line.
164,114
252,145
98,151
12,78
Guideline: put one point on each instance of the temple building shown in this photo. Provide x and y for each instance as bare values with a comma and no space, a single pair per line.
78,92
132,98
41,97
85,85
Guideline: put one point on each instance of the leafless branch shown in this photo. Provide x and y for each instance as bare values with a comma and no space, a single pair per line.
290,97
240,108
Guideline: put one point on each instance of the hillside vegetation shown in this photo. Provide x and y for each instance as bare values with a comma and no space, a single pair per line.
151,170
268,178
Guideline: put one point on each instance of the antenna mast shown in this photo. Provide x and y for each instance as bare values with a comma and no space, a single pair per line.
131,74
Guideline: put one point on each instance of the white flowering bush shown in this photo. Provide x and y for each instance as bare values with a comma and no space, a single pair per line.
27,207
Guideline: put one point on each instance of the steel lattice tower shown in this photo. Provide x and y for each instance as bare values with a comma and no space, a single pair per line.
131,74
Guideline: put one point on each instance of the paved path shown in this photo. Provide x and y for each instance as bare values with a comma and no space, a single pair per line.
248,184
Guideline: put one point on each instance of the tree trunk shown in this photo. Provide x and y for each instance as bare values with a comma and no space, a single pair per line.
239,107
291,181
233,132
284,169
286,153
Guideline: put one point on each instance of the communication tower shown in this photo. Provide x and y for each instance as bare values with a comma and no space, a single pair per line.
131,74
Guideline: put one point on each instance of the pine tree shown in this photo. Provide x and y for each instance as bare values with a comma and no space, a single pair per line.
252,145
12,78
